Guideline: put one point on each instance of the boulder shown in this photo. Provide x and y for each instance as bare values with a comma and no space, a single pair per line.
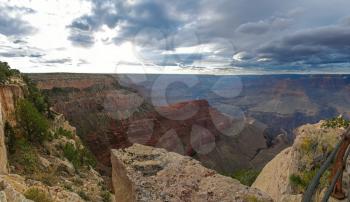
143,173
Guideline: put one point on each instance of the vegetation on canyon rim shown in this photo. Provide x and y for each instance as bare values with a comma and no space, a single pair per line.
314,149
33,129
337,122
6,72
246,176
33,119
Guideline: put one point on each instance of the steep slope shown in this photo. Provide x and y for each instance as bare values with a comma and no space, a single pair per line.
57,168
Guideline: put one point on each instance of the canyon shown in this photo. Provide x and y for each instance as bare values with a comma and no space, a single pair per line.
140,173
109,115
114,111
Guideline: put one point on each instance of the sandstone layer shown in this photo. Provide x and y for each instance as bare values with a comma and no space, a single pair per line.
142,173
9,94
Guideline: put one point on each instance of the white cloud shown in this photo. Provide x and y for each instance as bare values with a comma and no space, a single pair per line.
181,36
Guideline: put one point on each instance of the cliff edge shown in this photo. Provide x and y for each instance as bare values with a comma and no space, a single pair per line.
143,173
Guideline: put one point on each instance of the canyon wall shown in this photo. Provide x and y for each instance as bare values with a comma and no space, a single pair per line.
9,94
3,151
109,116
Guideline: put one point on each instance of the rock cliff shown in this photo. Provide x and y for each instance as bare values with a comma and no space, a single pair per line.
312,145
9,94
3,150
142,173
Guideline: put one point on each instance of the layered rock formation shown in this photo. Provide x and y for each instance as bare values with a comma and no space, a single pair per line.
142,173
109,116
311,147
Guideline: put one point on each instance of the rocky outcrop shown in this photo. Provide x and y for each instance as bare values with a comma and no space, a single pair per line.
142,173
312,144
9,94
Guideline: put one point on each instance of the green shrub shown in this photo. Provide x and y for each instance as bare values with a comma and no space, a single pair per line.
87,157
83,195
64,133
246,176
25,158
301,180
77,156
251,198
338,122
31,123
35,96
68,187
72,154
297,182
37,195
10,138
106,196
6,72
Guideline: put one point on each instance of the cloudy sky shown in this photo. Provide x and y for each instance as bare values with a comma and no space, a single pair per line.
178,36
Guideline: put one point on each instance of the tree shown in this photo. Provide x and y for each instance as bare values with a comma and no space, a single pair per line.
31,122
36,97
6,72
10,138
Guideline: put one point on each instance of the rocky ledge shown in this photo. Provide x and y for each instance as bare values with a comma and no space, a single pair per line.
311,147
143,173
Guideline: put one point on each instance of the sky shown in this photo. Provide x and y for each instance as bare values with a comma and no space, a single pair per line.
178,36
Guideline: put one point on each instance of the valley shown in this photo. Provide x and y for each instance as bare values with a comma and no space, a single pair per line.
228,123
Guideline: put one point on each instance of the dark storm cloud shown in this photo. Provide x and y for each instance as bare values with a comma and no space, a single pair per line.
273,33
261,27
315,46
132,19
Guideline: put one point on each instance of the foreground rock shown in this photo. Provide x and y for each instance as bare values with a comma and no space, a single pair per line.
311,146
142,173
